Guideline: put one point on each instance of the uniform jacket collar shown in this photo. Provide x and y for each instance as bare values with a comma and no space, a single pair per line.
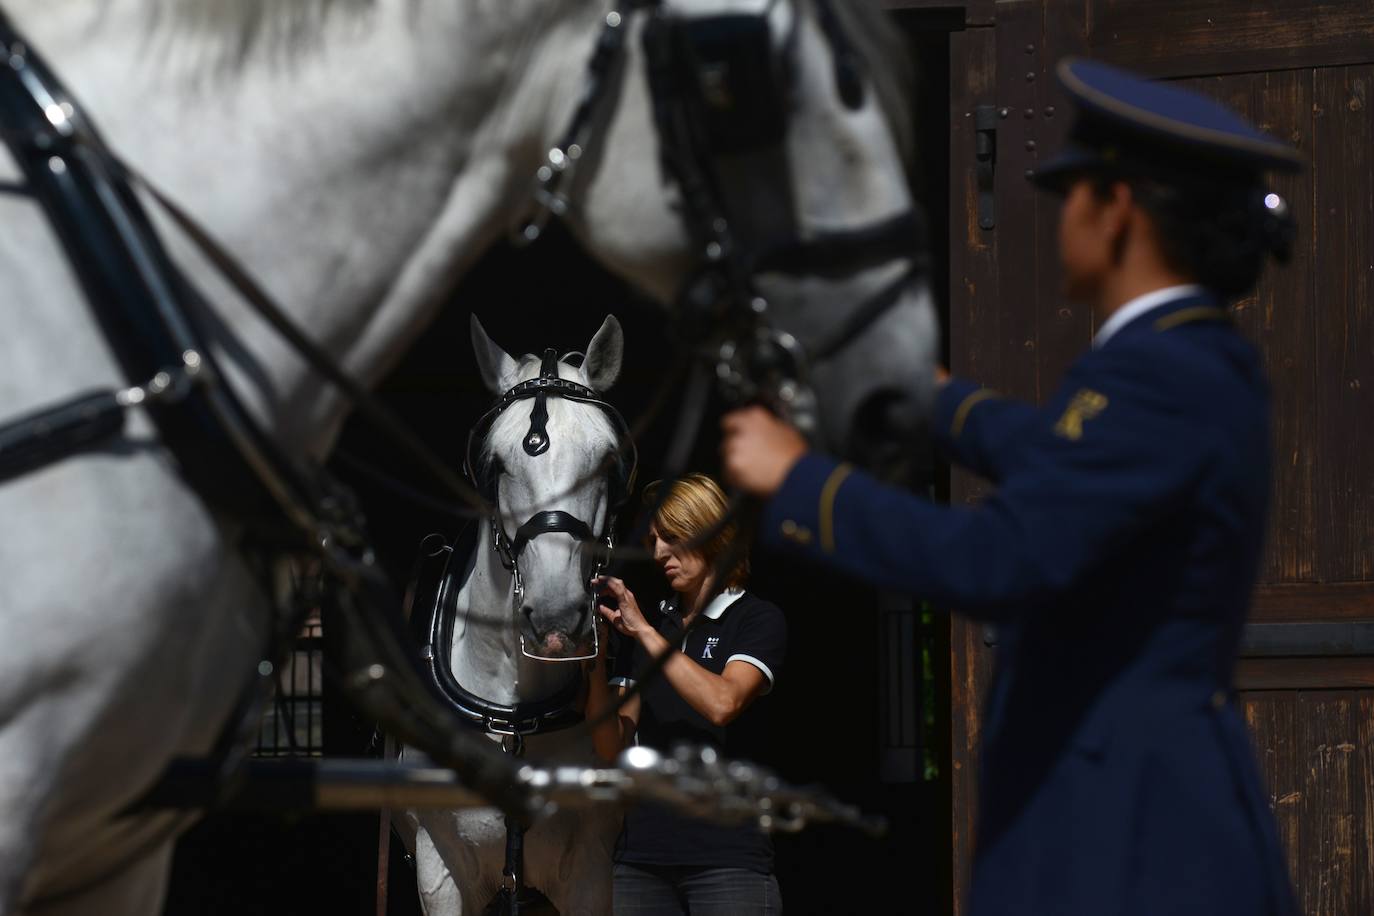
1155,304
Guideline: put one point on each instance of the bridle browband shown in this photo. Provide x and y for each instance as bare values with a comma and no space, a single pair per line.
722,312
536,443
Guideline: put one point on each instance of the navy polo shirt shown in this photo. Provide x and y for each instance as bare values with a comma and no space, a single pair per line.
736,626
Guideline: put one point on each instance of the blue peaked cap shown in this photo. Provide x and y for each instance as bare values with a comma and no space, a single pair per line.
1127,122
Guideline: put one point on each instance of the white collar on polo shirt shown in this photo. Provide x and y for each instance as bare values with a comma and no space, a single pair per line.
1139,306
721,602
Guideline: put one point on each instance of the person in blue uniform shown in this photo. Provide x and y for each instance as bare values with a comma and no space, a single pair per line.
1117,554
726,647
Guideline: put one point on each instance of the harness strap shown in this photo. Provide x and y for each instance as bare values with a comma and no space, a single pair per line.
833,254
862,317
554,520
324,365
44,436
513,875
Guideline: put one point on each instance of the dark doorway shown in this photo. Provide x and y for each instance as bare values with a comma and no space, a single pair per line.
827,715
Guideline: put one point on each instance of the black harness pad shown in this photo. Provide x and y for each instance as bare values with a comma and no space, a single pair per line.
432,610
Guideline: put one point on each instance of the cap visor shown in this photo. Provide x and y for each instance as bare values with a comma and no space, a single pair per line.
1063,166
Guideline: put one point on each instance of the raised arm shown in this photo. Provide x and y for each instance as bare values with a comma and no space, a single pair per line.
718,698
980,429
1095,469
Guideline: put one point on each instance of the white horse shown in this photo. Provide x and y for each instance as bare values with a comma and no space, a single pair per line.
498,637
357,157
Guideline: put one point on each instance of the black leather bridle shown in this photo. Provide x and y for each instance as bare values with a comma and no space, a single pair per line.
719,90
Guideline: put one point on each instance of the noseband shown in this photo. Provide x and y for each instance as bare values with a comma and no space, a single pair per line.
620,482
719,90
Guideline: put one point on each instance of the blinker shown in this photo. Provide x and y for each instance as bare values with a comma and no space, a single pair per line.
736,80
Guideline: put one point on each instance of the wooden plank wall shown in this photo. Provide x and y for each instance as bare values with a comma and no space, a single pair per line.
1315,752
1314,320
973,283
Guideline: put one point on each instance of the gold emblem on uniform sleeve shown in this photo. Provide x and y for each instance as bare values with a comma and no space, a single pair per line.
1084,405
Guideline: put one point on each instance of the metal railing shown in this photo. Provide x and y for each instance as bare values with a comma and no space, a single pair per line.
293,725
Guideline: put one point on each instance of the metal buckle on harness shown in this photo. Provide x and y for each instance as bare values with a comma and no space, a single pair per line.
772,366
512,742
167,386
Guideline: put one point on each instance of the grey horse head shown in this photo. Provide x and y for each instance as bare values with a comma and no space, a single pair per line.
568,473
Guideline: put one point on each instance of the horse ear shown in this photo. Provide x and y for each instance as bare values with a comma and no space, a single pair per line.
497,368
604,355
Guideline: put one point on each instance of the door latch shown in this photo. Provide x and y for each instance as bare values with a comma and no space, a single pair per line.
985,163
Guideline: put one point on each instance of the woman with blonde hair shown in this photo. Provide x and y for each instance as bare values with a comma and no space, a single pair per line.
725,647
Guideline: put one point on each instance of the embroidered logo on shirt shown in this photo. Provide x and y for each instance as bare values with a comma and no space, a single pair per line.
710,644
1085,405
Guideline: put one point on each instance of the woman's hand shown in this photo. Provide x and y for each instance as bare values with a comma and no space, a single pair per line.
626,617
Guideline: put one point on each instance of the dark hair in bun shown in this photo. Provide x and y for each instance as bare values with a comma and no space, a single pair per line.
1219,233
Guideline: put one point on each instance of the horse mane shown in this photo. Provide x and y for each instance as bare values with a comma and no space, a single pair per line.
290,26
255,16
285,26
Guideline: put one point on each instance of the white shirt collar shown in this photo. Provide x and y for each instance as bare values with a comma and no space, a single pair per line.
1139,306
721,602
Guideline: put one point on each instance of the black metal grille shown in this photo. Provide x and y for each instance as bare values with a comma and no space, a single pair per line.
907,645
293,725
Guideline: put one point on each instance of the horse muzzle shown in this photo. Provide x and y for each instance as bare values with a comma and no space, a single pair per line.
556,643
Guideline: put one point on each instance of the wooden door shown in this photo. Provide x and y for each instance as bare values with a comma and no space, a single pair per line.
1303,71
